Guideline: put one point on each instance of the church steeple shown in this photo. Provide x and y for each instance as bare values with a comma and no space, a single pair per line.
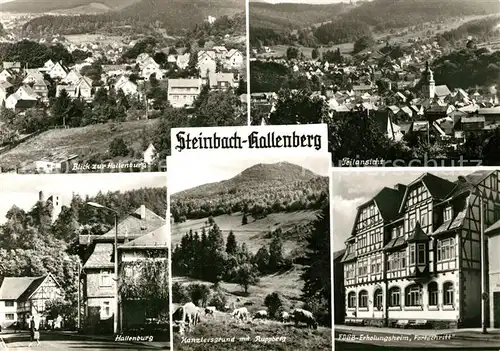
429,85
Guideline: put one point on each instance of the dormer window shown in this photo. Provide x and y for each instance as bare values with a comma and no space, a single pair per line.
421,254
448,213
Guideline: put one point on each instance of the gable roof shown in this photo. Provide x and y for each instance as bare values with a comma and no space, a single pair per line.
442,90
133,225
101,257
12,288
158,238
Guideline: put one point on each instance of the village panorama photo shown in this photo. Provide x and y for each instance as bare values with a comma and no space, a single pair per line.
84,261
251,260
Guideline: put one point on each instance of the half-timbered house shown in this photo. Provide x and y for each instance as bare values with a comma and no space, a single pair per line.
414,254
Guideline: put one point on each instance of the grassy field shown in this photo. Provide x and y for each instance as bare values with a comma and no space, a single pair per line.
82,141
252,234
289,285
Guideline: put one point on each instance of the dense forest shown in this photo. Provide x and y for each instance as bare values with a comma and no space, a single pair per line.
144,17
376,16
39,6
207,256
258,196
481,30
31,245
468,68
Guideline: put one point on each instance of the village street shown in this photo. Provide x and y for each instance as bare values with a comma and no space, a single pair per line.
71,341
360,338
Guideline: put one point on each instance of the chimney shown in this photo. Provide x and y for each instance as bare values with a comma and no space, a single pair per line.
41,196
399,187
143,212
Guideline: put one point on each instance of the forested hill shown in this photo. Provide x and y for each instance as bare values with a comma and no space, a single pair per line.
41,6
146,16
258,190
287,16
374,16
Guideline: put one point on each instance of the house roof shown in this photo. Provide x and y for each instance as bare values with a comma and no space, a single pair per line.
442,90
418,235
489,110
101,257
133,225
158,238
12,288
338,254
184,83
473,119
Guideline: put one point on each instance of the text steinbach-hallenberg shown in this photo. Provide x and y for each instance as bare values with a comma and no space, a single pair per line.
255,140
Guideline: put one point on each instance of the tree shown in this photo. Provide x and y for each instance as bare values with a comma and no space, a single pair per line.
231,245
199,294
244,220
363,43
317,275
315,54
292,53
261,260
298,108
218,108
246,276
273,303
118,147
276,258
60,107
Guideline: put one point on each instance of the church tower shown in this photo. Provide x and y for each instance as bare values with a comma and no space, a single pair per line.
429,85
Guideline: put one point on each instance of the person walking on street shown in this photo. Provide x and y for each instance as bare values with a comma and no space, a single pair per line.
34,332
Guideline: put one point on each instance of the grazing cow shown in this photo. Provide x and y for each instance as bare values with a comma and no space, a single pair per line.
210,310
262,314
240,313
284,316
191,313
302,316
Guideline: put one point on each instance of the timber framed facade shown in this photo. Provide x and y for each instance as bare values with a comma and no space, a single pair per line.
414,254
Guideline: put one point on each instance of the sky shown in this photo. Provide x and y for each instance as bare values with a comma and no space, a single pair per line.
351,188
22,189
188,172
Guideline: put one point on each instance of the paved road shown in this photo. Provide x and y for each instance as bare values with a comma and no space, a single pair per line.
381,341
56,342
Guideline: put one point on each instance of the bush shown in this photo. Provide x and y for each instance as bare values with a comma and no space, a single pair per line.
179,293
118,148
218,300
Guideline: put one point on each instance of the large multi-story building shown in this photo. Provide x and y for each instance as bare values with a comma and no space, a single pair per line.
414,254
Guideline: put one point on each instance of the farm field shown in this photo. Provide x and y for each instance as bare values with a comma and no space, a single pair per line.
82,141
289,285
252,234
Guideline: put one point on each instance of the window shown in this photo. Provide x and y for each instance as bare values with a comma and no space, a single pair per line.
448,294
421,259
378,299
363,267
413,295
351,300
363,299
396,261
9,316
394,297
105,279
412,221
106,309
448,213
350,271
446,249
433,294
497,212
9,303
376,266
412,254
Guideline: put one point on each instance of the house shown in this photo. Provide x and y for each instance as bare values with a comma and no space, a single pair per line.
152,246
234,59
183,92
82,89
222,81
32,75
124,84
5,75
150,154
58,71
23,98
5,90
14,66
59,163
151,69
40,88
47,66
206,63
21,297
183,60
413,256
99,295
72,78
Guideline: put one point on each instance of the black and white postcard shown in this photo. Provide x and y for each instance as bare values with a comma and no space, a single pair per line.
88,84
415,259
251,260
401,83
84,261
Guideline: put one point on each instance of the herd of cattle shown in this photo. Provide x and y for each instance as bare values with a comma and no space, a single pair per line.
188,316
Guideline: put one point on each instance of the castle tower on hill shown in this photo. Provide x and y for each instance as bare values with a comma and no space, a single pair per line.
55,200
